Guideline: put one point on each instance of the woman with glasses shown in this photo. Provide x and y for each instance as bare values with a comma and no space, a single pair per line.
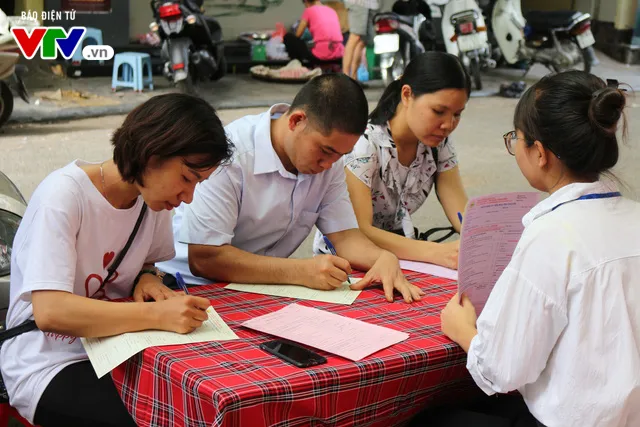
404,153
562,324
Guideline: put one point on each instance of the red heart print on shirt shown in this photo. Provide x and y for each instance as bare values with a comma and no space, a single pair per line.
107,258
99,293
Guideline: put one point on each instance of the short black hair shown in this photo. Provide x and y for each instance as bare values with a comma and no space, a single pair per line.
428,72
574,115
166,126
333,101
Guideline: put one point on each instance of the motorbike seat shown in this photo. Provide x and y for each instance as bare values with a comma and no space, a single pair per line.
408,20
547,20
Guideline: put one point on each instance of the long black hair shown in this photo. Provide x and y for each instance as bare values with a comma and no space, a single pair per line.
428,72
574,115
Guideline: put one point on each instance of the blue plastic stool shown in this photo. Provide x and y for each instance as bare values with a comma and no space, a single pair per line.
93,36
132,65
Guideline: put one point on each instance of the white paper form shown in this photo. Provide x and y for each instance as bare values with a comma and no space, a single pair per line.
109,352
343,295
491,229
350,338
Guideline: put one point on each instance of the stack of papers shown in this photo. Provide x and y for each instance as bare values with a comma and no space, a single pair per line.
491,230
350,338
107,353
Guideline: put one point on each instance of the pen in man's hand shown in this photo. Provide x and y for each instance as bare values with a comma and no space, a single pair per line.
333,252
460,217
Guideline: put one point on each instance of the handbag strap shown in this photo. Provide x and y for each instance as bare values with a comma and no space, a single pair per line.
112,269
30,325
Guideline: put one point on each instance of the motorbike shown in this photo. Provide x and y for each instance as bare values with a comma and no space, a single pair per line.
192,44
560,40
11,72
12,209
408,30
465,35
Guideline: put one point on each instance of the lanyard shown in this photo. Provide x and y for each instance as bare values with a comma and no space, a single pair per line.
591,197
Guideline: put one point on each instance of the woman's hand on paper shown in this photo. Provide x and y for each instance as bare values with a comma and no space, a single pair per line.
386,270
182,314
458,321
150,287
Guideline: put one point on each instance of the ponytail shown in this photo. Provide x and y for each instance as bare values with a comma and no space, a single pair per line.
388,103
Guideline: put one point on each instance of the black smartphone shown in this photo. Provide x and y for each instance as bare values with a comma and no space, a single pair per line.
293,353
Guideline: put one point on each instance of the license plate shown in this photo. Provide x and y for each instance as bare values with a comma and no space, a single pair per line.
470,42
386,43
585,39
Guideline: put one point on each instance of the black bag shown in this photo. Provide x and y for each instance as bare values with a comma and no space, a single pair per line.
30,325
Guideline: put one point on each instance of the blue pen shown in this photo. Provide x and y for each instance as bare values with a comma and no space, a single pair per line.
181,283
460,217
333,252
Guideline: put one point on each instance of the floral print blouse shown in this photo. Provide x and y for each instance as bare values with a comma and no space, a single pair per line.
396,191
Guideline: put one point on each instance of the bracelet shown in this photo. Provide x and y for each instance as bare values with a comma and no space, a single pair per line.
153,271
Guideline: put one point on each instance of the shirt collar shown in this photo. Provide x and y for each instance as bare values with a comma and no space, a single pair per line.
266,159
566,194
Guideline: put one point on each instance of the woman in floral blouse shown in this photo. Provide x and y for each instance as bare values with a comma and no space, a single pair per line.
405,151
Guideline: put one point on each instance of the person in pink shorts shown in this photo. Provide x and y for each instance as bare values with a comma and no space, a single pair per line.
324,26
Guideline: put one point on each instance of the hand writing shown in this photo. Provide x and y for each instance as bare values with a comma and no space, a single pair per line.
182,314
326,272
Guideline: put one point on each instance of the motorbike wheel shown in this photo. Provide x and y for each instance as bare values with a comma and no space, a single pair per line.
586,60
186,86
221,71
474,67
6,103
390,74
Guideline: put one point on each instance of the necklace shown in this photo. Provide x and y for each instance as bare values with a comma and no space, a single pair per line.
104,191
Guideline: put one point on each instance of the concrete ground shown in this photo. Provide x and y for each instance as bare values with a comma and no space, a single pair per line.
92,96
31,151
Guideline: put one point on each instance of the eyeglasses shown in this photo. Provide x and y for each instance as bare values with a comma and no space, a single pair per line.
510,139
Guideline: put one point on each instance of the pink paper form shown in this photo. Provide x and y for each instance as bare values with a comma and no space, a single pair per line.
350,338
491,229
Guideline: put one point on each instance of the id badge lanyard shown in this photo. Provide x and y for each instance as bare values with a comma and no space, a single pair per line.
591,197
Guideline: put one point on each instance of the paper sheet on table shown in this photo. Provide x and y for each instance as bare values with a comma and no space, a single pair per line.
491,229
343,295
350,338
432,269
109,352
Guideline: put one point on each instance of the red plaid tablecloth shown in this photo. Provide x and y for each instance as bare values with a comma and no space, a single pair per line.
235,383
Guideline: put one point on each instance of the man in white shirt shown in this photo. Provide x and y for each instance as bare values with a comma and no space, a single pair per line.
285,177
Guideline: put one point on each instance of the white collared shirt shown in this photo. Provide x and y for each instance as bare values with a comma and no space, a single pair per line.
562,324
255,204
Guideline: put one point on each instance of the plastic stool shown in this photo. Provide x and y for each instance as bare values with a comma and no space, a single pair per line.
132,65
91,36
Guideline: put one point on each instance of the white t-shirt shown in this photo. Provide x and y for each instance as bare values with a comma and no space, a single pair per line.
562,324
69,236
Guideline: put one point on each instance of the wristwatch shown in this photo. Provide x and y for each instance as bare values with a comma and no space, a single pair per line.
153,271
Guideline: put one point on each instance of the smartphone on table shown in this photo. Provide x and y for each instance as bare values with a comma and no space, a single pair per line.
293,353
